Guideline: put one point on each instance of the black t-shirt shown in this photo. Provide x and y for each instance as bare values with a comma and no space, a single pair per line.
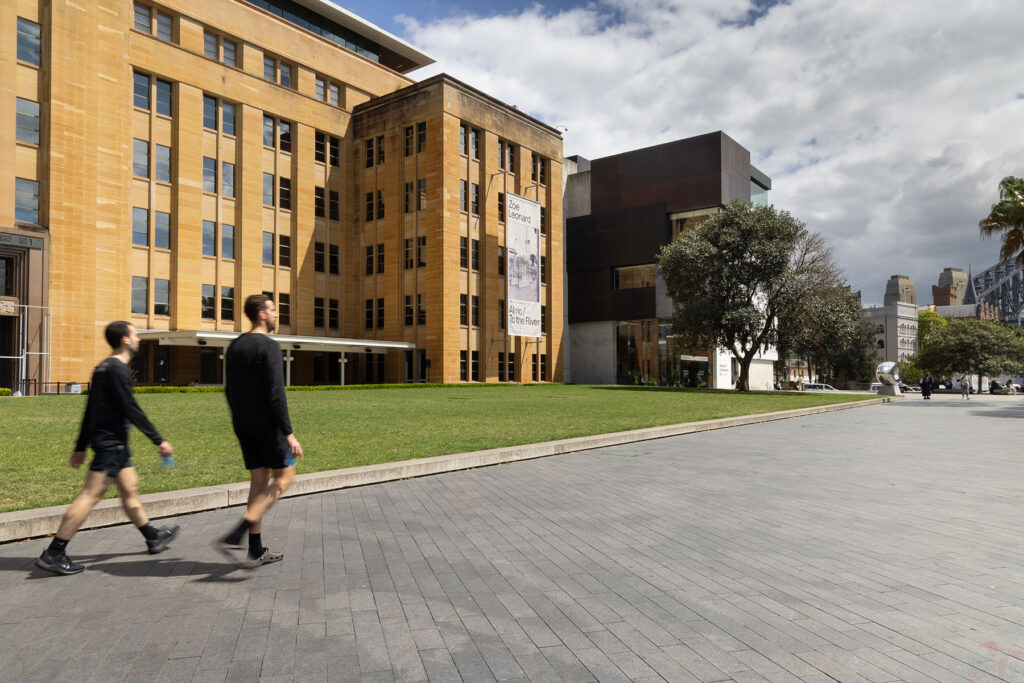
110,409
254,385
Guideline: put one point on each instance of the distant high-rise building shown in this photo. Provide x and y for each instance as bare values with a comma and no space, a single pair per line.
951,288
900,288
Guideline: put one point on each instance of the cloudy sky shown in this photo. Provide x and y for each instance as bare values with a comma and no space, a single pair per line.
885,126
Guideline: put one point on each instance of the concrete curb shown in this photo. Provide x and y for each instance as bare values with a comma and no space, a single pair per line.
25,524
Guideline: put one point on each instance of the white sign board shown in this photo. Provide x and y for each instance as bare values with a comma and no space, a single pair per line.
522,240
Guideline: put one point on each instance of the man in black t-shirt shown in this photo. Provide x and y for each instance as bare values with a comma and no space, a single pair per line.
110,408
254,388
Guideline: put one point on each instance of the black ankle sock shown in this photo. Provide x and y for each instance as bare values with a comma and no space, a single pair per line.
255,545
58,546
149,531
235,537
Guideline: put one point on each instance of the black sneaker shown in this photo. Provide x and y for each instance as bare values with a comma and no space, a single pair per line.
58,563
163,539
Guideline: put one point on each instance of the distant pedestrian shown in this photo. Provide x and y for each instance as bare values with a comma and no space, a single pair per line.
965,387
110,408
926,386
259,413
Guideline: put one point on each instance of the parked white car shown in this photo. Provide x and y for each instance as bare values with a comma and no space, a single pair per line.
819,387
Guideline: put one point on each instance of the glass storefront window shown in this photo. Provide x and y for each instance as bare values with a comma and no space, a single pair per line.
648,353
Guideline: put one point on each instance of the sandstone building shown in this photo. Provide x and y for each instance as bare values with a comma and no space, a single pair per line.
162,160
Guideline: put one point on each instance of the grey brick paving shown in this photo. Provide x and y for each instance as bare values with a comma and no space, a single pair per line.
879,544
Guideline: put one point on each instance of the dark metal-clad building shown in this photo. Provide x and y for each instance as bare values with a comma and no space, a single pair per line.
619,211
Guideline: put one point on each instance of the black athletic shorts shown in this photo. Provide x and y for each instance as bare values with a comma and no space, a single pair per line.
110,459
263,449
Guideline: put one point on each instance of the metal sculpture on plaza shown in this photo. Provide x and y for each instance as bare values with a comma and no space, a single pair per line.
889,375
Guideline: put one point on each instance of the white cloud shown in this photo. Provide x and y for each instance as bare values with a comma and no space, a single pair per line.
884,125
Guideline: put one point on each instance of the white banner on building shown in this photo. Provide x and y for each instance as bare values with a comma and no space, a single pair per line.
522,240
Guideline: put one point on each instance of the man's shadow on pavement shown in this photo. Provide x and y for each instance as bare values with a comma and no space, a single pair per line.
145,565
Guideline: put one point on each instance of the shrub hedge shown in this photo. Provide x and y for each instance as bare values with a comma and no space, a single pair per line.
156,389
4,391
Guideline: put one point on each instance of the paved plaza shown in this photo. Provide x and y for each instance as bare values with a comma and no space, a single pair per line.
879,543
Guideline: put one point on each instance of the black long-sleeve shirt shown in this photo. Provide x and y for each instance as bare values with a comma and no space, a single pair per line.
254,385
111,408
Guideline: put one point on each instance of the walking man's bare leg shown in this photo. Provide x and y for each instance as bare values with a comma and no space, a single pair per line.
96,484
264,491
157,540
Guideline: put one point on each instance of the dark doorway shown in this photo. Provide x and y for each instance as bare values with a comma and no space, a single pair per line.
162,365
209,366
333,368
8,335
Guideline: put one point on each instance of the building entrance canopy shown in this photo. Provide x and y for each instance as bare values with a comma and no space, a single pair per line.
286,341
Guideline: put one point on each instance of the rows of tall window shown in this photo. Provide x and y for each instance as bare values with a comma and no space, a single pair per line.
27,121
151,93
369,313
149,19
220,48
151,160
208,304
420,252
374,151
283,251
210,241
415,139
332,313
219,114
328,91
151,227
161,296
326,148
469,366
416,195
217,46
277,70
284,191
326,203
332,258
506,366
420,314
370,260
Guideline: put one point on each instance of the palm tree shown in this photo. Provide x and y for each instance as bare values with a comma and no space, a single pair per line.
1007,217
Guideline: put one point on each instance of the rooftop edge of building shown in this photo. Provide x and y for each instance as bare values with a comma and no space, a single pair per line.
410,90
756,175
399,55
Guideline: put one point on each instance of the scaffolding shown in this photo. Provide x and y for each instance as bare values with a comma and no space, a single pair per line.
43,329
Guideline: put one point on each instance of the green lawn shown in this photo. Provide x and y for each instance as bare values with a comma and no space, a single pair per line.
349,428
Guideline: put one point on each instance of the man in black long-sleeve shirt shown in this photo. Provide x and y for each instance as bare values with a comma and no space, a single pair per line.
110,408
259,413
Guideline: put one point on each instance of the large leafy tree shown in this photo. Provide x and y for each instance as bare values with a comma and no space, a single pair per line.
734,275
981,347
826,327
926,322
1007,219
